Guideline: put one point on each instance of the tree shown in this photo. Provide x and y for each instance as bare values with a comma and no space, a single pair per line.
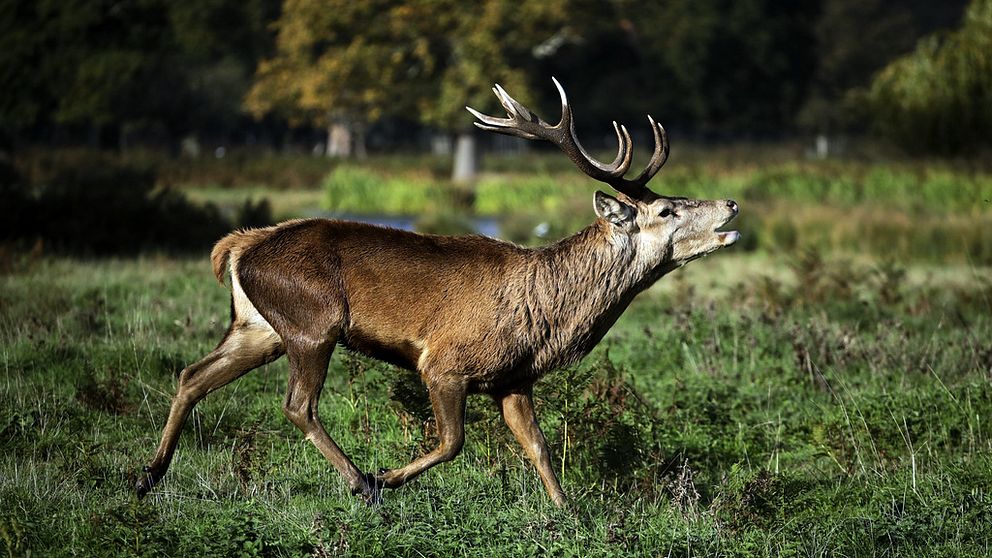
735,66
854,38
492,43
344,64
108,67
341,64
938,99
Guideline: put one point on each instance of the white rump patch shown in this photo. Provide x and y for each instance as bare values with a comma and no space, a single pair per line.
244,311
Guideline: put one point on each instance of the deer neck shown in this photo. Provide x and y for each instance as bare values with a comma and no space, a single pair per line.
579,287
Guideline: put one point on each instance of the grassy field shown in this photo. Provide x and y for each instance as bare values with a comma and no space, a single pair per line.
747,405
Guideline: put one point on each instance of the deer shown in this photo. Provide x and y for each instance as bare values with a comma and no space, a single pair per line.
469,314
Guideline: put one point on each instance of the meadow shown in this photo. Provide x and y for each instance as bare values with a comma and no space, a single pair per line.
812,397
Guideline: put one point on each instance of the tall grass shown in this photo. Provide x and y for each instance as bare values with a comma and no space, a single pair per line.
352,189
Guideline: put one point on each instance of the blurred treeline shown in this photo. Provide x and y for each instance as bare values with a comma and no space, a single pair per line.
105,106
191,75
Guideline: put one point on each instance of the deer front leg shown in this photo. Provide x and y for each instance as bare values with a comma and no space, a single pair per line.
448,401
518,412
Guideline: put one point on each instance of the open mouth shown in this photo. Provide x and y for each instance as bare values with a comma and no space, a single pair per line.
727,238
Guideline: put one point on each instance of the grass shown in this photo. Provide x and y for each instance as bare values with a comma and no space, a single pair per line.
769,400
748,405
532,184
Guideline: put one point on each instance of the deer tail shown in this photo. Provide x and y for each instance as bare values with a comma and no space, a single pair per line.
231,246
221,253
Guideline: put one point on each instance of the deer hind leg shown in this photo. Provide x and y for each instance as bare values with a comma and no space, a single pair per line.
448,401
245,347
518,412
307,371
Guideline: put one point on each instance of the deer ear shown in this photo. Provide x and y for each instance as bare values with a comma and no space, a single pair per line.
612,209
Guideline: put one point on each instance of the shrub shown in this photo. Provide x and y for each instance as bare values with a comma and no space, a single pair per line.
255,214
95,205
18,203
353,189
244,168
444,222
500,195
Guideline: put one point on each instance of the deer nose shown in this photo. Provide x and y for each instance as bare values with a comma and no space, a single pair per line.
733,206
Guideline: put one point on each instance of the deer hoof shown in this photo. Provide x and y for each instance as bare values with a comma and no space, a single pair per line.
145,483
370,490
385,479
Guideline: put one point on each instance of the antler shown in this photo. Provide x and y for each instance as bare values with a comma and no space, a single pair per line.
523,123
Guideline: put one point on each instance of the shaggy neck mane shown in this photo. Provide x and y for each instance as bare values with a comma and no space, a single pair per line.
577,288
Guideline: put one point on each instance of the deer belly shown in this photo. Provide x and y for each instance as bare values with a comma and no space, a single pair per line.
404,353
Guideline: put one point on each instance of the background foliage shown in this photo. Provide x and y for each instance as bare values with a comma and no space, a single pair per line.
939,98
149,72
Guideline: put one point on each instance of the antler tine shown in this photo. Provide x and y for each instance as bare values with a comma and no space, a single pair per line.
625,151
499,125
514,109
566,110
658,158
522,122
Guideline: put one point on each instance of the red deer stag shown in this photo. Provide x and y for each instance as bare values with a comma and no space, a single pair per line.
469,314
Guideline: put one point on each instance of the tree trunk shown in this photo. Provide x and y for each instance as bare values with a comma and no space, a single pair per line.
822,148
466,165
338,140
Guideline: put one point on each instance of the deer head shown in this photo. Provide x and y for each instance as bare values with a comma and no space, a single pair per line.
662,229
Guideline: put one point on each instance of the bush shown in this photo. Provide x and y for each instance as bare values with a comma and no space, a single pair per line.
95,205
18,204
545,193
255,214
444,222
353,189
790,227
246,168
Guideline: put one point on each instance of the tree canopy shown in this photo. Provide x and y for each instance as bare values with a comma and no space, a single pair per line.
938,99
421,59
105,71
113,66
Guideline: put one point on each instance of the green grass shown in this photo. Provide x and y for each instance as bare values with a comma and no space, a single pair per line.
747,405
533,185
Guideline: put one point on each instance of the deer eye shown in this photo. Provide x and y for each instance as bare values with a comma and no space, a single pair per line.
665,213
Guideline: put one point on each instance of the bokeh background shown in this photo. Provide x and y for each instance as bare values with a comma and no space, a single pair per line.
192,117
823,388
